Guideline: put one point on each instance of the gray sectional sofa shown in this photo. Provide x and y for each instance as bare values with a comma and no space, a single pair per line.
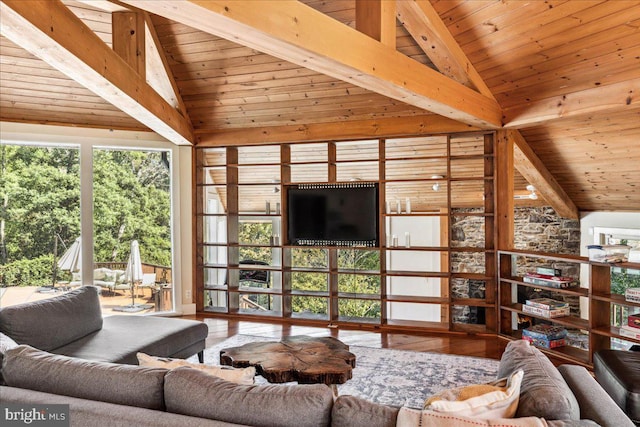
112,394
71,324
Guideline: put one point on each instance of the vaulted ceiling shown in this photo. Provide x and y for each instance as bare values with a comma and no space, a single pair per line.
562,75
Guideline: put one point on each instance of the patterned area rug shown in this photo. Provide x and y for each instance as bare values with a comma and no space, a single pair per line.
392,377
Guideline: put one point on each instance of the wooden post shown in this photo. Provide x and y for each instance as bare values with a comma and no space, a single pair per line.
377,19
128,39
504,190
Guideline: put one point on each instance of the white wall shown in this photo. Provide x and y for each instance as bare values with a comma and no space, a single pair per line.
181,191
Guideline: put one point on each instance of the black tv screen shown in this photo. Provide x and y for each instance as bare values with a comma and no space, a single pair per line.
333,214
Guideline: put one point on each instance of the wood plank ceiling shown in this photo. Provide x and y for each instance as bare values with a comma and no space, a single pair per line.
566,74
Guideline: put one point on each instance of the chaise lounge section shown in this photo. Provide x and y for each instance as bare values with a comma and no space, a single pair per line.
72,325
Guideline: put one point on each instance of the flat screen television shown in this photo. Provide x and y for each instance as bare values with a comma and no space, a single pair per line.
341,214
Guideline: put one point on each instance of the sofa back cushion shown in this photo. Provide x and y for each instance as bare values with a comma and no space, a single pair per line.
281,405
54,322
543,392
33,369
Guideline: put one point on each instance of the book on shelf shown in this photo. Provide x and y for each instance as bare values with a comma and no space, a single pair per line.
541,342
549,271
547,280
634,320
547,303
632,294
630,332
547,332
557,312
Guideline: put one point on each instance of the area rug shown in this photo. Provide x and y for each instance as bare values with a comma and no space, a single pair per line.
392,377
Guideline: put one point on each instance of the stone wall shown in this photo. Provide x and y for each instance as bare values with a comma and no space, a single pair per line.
537,229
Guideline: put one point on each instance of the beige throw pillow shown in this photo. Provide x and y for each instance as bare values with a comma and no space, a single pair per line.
408,417
239,376
498,399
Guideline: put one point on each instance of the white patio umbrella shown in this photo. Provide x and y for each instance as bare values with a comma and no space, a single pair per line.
70,261
133,274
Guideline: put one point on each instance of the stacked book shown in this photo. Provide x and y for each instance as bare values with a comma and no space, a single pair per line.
632,295
549,280
546,336
632,329
546,307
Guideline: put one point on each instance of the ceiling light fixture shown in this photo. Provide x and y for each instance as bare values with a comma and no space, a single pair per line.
531,196
436,186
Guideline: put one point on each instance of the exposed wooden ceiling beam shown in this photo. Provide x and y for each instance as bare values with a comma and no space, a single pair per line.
533,170
377,19
292,31
128,35
387,127
424,24
49,30
159,74
105,5
611,98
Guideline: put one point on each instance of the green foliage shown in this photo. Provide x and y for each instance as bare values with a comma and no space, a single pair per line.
622,280
28,272
41,194
349,260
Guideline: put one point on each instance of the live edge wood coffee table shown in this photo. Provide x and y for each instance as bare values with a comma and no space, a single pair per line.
307,360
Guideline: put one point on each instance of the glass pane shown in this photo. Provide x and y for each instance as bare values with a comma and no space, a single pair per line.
417,231
301,281
418,261
358,310
132,225
261,304
309,307
257,231
41,221
214,255
309,257
359,284
357,259
435,146
257,256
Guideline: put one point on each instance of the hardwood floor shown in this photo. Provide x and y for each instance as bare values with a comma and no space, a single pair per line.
465,345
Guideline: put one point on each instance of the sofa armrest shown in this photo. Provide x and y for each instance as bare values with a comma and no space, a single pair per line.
595,404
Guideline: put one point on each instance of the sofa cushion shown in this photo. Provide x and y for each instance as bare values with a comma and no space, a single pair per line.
6,343
543,392
408,417
33,369
352,411
498,399
280,405
53,322
235,375
121,337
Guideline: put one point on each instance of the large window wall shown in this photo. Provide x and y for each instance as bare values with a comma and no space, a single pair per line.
413,278
99,197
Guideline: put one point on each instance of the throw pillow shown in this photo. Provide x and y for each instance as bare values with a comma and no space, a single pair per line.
498,399
408,417
6,343
239,376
